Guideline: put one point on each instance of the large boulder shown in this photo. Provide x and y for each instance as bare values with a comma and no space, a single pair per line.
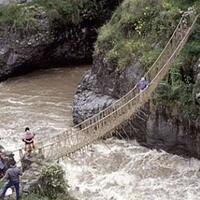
7,157
32,165
103,85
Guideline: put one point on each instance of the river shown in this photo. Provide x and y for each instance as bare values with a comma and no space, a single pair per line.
108,170
41,100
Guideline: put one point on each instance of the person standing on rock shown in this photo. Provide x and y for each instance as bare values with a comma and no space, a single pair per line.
12,177
29,140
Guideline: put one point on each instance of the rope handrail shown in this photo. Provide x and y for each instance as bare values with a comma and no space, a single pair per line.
102,126
138,95
86,127
110,107
188,32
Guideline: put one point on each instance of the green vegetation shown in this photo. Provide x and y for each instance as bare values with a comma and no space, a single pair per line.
52,185
176,91
60,11
183,4
136,28
17,15
68,11
139,29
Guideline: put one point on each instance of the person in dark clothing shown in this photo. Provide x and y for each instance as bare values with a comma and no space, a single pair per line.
29,140
2,166
143,84
12,178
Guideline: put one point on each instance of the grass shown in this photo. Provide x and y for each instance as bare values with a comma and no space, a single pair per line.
68,10
139,29
58,12
17,15
27,15
135,29
177,90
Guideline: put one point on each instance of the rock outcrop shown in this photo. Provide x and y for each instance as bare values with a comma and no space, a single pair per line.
32,168
125,47
154,127
48,41
7,157
101,86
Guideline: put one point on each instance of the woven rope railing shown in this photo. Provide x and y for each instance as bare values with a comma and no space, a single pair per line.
107,120
149,74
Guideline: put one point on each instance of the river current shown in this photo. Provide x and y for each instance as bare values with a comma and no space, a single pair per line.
108,170
41,100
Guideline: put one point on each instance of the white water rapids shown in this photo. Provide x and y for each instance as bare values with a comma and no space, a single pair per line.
121,170
108,170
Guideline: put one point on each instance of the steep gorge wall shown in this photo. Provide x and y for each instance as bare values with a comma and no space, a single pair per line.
158,124
155,126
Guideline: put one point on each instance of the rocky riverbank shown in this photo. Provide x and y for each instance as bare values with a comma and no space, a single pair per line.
170,121
40,179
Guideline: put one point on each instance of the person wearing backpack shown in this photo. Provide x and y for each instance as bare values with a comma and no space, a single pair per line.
29,140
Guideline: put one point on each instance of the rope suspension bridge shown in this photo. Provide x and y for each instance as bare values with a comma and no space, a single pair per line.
108,120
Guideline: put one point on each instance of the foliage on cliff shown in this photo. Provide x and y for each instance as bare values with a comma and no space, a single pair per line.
52,185
139,29
177,91
60,12
19,15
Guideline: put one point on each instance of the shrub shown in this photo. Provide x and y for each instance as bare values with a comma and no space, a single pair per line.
135,28
22,15
177,89
139,29
18,16
52,184
68,10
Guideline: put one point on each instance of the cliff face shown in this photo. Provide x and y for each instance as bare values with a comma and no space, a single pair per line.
34,36
169,121
154,127
22,53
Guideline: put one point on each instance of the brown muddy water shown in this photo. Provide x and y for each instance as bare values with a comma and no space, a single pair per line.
41,100
109,170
